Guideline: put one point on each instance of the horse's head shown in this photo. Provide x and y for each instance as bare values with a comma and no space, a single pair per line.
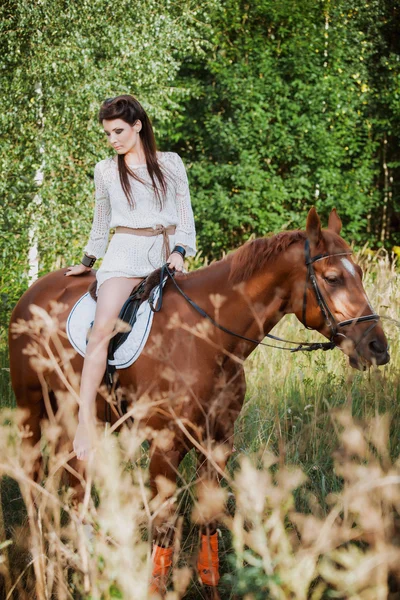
329,295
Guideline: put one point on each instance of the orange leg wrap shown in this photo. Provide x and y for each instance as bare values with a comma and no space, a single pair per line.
208,561
162,562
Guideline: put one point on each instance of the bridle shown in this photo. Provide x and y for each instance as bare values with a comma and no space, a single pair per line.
323,305
166,272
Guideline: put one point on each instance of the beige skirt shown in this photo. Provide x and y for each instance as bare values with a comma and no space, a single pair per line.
132,256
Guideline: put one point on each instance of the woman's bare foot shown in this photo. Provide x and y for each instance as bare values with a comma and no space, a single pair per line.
84,440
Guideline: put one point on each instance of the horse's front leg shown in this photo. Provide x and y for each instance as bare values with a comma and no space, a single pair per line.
223,409
210,505
163,470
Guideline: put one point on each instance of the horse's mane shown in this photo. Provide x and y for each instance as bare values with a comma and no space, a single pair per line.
245,261
253,256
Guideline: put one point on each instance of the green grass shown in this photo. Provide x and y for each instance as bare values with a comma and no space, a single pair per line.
290,409
6,394
291,397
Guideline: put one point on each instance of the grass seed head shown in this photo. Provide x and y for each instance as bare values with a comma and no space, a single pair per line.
210,504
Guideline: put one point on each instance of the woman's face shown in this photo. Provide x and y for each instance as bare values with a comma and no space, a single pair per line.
122,136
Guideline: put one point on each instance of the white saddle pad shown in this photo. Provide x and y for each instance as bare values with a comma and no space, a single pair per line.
81,319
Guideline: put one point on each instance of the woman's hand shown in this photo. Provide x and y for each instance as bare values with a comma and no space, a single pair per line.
175,261
77,270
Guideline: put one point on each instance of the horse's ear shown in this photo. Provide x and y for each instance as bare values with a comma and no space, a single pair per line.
313,227
334,223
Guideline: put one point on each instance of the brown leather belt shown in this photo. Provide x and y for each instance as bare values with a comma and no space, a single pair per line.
151,231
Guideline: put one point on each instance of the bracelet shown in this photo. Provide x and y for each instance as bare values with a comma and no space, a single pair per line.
88,261
180,250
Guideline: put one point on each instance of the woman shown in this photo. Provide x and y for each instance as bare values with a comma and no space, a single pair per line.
144,194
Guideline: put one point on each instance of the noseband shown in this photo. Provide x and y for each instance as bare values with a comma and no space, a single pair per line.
165,272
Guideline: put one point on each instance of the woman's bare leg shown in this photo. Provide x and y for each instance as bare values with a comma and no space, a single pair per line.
111,297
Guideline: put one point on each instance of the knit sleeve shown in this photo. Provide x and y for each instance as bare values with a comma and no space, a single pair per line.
98,238
185,232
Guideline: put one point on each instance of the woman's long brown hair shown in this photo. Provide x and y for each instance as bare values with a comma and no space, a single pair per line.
129,109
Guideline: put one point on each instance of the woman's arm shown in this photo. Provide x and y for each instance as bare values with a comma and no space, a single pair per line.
185,234
98,238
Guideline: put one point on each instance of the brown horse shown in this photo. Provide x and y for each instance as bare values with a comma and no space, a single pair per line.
198,368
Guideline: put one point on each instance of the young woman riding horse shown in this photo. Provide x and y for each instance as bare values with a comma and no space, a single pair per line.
144,194
199,396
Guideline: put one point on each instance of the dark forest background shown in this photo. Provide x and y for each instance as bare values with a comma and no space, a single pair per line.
273,106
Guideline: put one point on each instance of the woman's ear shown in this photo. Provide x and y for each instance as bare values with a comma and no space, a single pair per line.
138,126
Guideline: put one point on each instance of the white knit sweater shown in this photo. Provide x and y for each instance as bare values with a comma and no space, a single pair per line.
112,208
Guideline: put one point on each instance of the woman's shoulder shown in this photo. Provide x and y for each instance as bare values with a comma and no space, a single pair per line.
171,160
105,172
168,156
105,163
163,157
105,169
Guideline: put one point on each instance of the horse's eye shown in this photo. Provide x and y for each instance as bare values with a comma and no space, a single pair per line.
331,278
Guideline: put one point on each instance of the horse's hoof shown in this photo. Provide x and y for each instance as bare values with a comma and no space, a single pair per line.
211,593
157,587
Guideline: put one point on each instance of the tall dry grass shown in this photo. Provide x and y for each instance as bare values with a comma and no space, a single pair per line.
309,507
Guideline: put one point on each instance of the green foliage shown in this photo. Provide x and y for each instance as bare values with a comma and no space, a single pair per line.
292,108
273,106
62,59
250,579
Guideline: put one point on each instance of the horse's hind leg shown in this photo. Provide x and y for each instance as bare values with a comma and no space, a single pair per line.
30,401
29,398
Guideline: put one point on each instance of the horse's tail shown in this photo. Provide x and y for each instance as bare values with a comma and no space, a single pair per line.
28,396
25,380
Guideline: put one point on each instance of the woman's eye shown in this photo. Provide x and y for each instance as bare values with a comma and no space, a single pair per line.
118,131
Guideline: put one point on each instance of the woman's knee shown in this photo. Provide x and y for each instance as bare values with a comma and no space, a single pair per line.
101,331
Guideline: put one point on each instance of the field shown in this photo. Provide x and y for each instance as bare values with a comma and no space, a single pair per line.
309,506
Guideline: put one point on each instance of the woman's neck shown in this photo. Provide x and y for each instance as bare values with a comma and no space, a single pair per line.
135,156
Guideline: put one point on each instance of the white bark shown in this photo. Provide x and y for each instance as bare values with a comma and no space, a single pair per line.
33,254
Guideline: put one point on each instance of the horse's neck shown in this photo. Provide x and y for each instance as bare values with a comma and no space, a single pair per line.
250,308
266,297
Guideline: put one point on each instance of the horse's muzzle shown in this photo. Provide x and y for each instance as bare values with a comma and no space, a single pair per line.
366,349
379,352
375,353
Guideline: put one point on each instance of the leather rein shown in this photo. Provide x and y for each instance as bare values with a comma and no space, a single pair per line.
333,324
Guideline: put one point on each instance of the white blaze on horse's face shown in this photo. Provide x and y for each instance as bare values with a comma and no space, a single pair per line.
344,286
349,266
